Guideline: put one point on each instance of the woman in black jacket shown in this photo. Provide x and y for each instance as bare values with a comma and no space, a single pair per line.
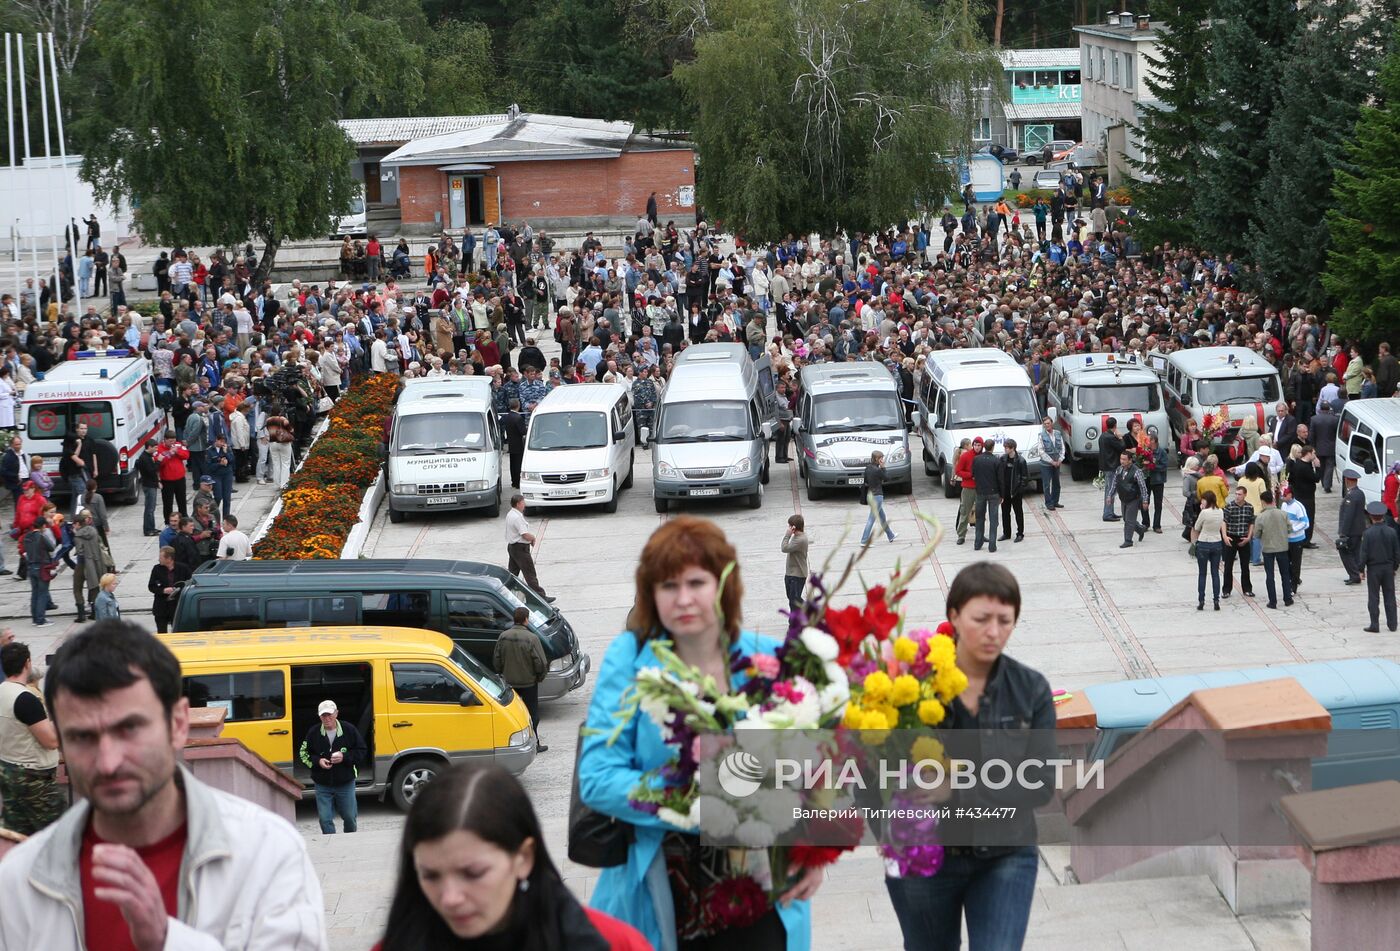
1012,478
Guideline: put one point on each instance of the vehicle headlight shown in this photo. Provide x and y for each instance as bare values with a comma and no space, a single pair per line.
520,737
403,488
561,664
475,486
529,476
1091,433
1152,430
825,460
596,474
896,455
666,470
741,467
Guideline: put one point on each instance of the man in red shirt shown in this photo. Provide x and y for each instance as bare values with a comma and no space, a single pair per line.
962,470
150,857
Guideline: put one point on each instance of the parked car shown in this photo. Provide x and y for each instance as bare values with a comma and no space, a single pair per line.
1008,155
1056,151
1046,178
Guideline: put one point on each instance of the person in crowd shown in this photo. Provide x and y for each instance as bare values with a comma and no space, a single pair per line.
1299,522
519,657
171,457
148,472
962,475
1238,516
1209,538
39,549
1379,556
679,597
474,872
334,751
1012,479
986,476
90,565
1272,528
1351,525
519,541
29,756
987,889
106,607
1190,501
873,486
1052,457
167,578
795,572
1110,448
154,858
1130,486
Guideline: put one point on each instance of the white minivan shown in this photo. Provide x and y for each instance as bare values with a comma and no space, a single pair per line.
1368,440
579,448
444,448
114,393
979,391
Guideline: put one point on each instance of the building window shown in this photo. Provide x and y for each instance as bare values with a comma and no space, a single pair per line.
1088,62
1128,71
1103,65
984,130
1114,81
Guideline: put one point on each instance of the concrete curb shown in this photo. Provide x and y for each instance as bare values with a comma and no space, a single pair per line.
369,507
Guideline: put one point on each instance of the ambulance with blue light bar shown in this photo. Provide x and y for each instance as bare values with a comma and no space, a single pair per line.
1224,389
1086,389
113,392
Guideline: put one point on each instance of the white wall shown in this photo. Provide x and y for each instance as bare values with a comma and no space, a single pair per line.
33,201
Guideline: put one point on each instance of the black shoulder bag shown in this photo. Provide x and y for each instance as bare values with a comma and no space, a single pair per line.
595,840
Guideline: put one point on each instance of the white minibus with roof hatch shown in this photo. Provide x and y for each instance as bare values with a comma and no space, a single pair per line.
1087,389
579,449
847,412
1230,385
444,448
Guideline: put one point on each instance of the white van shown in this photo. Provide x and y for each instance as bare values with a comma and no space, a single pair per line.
444,448
1085,390
113,393
579,448
355,223
980,391
713,426
1228,384
849,410
1368,440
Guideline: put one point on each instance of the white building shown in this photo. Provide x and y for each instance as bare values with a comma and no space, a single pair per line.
34,205
1114,58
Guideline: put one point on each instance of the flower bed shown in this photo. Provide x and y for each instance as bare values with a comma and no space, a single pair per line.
321,501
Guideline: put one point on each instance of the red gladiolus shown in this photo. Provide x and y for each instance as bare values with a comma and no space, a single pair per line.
735,903
878,616
848,625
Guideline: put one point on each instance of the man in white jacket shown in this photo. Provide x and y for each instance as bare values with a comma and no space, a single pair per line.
150,853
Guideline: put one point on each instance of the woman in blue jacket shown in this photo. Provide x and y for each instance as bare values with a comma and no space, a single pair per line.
680,597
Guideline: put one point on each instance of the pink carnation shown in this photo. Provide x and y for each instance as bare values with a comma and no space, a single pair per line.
766,665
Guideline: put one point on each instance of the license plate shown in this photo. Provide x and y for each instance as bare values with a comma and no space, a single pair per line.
563,493
858,480
704,491
450,500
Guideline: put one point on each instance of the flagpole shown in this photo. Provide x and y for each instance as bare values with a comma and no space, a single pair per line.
67,191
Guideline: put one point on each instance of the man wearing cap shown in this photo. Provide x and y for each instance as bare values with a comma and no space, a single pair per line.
332,750
1351,525
1379,555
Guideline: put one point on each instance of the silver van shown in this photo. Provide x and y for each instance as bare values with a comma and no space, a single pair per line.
847,411
710,439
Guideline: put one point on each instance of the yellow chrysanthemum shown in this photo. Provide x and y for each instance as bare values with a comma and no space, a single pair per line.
853,718
905,650
906,690
931,712
948,683
926,748
941,651
890,715
877,687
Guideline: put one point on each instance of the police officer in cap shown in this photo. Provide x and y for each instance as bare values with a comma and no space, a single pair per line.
1351,523
1379,555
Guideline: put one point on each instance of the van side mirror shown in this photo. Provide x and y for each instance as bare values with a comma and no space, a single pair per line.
796,424
767,429
917,418
469,699
1053,413
648,436
619,435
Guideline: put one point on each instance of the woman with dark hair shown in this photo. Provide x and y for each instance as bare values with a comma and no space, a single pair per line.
689,593
989,886
474,873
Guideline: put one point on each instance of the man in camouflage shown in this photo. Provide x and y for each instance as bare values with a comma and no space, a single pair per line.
28,747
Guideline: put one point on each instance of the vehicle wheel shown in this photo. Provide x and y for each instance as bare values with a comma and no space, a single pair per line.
905,488
764,475
395,515
756,500
631,471
661,505
494,509
409,776
1080,471
950,488
132,495
930,467
610,506
815,492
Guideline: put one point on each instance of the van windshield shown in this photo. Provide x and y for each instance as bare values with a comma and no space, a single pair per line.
992,406
1122,397
553,431
440,432
855,413
56,420
522,597
490,681
1238,389
726,421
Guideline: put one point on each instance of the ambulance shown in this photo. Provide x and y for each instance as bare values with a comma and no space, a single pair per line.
1085,390
1221,388
113,392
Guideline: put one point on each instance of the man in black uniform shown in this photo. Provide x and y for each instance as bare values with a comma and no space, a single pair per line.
1351,523
1379,556
514,425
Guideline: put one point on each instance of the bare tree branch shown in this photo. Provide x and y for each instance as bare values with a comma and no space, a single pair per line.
70,22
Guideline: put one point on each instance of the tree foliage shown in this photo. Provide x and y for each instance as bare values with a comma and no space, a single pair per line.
1244,73
1170,131
1363,265
1326,80
821,114
241,141
458,72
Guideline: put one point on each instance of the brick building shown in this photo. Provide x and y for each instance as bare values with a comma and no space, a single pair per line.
556,172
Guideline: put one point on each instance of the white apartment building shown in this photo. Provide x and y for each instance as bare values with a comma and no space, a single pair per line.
1114,57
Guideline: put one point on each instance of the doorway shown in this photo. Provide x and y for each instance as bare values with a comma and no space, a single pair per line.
350,686
372,183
